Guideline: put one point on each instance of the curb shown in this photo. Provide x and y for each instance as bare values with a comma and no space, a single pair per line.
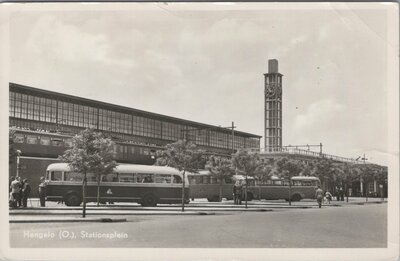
105,220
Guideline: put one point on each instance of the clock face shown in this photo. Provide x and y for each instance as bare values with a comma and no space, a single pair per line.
270,90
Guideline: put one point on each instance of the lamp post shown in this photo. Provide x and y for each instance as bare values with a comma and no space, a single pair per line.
18,152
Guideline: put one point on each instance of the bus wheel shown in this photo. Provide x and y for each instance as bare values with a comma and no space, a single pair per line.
72,199
296,197
149,200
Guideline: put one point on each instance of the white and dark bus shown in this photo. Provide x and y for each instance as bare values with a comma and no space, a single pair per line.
147,185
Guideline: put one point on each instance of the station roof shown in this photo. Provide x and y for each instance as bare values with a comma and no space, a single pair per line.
119,108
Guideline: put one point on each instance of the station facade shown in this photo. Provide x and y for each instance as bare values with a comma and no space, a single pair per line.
42,124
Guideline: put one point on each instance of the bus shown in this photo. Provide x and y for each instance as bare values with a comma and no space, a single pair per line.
146,185
303,187
204,185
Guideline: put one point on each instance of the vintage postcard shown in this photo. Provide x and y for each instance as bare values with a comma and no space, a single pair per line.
200,131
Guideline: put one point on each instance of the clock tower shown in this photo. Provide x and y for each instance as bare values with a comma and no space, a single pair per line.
273,107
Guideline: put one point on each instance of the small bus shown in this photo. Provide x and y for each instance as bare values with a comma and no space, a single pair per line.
205,185
303,187
146,185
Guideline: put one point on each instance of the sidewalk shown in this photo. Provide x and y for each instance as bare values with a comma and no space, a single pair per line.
60,213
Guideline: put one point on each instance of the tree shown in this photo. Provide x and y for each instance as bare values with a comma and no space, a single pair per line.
220,168
183,156
323,170
246,164
289,168
91,152
264,171
11,150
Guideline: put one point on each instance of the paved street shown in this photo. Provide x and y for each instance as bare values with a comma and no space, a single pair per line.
345,226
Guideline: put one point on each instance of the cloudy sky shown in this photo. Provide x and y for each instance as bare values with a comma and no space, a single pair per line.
205,62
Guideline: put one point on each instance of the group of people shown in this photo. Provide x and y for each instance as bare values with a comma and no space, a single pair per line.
327,196
20,191
238,192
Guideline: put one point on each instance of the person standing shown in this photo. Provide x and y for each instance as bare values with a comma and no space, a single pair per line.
341,193
239,189
319,194
26,191
15,191
42,192
21,185
234,192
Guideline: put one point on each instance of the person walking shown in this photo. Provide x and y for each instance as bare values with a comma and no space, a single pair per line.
328,197
319,194
42,192
26,191
15,191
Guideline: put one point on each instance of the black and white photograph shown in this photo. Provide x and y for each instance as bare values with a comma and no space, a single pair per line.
200,131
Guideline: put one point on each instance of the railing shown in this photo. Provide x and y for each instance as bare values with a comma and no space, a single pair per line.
296,151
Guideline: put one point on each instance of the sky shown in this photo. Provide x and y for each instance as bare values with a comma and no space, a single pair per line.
205,63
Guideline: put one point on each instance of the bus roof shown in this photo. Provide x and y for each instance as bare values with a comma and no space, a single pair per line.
304,178
123,168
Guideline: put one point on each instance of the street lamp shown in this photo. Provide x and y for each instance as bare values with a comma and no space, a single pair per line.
18,152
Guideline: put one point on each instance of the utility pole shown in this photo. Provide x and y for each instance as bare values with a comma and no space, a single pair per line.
233,137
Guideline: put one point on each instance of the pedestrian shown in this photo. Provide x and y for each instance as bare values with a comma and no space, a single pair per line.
239,189
341,193
26,191
328,197
319,194
234,192
21,185
15,191
12,178
42,192
337,193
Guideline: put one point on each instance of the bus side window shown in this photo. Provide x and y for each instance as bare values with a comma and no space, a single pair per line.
73,176
161,178
91,177
213,180
56,175
112,177
126,177
228,180
307,183
176,179
144,178
277,182
296,182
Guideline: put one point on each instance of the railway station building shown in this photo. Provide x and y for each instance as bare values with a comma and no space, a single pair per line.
42,124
